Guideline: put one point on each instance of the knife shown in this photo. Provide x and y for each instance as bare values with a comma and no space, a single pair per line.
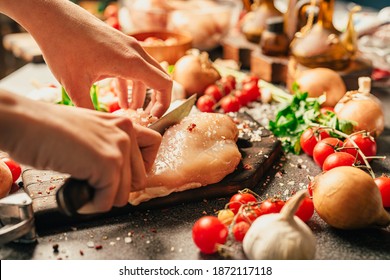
75,193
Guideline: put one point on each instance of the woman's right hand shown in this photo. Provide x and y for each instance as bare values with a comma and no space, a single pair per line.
107,150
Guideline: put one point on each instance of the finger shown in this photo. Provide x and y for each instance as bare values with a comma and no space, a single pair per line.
138,172
79,94
138,95
123,94
149,142
151,102
124,188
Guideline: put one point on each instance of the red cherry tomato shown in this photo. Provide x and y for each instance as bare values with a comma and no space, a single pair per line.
251,90
310,137
249,79
239,230
366,144
324,148
214,91
338,159
239,199
242,97
207,233
15,168
305,210
228,82
206,103
271,205
249,214
230,103
383,184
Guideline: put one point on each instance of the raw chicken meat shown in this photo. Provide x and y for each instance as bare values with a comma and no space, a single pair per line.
199,151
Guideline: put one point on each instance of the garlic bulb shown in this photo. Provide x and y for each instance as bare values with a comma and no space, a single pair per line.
280,236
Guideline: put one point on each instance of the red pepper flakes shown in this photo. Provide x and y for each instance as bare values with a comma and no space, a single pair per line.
39,192
247,167
153,230
191,127
81,252
52,188
99,247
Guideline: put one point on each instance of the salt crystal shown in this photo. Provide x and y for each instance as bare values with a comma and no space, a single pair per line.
90,244
128,240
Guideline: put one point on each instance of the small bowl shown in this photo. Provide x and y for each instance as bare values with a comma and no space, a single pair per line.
206,21
164,45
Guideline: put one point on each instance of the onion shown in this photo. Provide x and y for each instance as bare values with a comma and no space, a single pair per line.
363,108
5,179
319,81
195,73
347,198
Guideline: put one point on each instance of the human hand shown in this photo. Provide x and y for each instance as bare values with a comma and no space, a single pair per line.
104,149
80,49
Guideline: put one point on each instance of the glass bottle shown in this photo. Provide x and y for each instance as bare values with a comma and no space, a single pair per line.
254,22
323,45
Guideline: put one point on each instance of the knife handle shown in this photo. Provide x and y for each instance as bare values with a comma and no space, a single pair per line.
74,194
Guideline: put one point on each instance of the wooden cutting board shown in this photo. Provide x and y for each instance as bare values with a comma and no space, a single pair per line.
259,149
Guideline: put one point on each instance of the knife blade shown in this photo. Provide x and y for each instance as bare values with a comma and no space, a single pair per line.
75,193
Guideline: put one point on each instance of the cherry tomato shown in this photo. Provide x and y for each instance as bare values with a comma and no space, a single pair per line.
112,107
214,91
249,79
226,216
383,184
230,103
15,168
310,137
206,103
239,199
251,90
338,159
249,213
242,97
305,210
271,205
324,148
228,84
240,229
207,233
366,144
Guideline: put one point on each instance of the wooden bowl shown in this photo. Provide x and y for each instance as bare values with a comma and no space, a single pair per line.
177,45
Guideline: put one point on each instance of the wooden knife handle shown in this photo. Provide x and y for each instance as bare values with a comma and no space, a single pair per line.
72,195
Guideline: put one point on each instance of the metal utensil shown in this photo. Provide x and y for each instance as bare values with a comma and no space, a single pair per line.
74,193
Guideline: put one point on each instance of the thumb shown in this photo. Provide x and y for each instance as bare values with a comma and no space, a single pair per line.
79,94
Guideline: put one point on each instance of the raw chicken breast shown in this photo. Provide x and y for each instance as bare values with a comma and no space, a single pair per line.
199,151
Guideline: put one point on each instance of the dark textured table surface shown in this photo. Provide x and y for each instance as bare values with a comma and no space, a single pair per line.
165,233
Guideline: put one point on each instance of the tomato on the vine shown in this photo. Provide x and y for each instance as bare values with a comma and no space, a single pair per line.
14,167
214,91
230,103
206,103
383,184
305,210
240,229
249,213
338,159
250,79
310,137
239,199
251,90
271,205
366,144
207,233
324,148
226,216
242,97
228,83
